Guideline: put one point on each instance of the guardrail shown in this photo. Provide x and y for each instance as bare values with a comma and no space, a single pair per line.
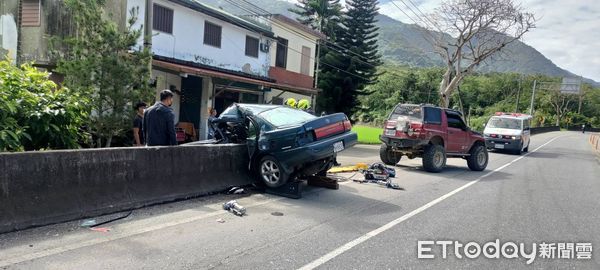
538,130
40,188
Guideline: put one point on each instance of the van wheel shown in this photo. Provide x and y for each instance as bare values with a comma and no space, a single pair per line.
478,158
434,158
387,156
520,150
271,173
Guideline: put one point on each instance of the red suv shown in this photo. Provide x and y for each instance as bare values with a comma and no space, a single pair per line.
432,133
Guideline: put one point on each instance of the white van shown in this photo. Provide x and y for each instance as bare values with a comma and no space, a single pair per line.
508,131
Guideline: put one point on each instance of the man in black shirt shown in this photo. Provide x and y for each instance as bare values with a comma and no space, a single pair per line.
138,135
159,122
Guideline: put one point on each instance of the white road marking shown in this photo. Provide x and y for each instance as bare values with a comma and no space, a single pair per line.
338,251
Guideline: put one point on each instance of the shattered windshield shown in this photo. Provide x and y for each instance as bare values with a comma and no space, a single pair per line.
283,116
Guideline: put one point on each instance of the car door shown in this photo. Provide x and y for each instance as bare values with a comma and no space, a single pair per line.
457,133
526,132
253,132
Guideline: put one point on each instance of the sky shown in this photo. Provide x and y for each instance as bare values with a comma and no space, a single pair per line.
567,32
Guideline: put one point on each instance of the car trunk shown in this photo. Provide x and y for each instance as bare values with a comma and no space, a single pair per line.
328,126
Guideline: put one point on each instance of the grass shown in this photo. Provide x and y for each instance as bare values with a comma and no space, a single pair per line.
368,135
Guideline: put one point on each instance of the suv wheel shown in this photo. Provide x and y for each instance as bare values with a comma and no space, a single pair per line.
478,158
271,173
434,158
387,156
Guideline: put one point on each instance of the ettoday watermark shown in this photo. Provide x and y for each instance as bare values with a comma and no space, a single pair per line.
506,250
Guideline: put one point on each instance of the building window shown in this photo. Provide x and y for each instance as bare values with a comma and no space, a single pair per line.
305,61
252,46
212,34
30,13
163,19
282,51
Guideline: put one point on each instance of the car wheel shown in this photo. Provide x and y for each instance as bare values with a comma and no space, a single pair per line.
271,173
387,156
434,158
520,150
478,158
526,148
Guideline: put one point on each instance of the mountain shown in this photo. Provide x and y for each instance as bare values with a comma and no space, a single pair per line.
405,44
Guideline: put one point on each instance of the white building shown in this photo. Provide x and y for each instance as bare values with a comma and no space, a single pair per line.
211,58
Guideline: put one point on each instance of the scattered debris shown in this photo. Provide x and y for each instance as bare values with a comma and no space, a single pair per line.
100,229
235,208
112,220
380,174
221,220
277,214
88,223
236,190
355,168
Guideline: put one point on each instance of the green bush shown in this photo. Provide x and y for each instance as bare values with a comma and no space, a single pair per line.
34,114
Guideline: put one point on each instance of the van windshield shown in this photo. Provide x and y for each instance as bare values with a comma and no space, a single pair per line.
508,123
413,112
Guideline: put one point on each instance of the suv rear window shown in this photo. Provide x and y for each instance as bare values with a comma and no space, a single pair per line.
412,111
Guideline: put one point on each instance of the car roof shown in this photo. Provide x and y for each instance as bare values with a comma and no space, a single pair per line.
521,117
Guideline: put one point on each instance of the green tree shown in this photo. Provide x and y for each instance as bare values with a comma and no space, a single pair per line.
359,40
321,15
103,63
34,114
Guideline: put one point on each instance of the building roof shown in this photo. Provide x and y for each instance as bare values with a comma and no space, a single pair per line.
197,69
225,16
298,25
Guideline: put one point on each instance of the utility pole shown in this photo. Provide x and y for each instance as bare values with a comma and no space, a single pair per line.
580,94
148,24
532,97
518,93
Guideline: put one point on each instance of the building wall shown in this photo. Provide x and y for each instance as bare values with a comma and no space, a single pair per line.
165,80
295,43
55,21
8,29
187,41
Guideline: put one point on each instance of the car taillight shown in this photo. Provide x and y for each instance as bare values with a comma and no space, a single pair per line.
493,135
347,125
506,137
390,124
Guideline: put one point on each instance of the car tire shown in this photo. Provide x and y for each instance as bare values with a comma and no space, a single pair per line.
478,158
519,151
388,157
434,158
526,148
271,173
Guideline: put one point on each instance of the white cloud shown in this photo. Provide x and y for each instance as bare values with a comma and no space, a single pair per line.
566,33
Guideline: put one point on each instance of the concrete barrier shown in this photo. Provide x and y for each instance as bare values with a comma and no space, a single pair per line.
40,188
539,130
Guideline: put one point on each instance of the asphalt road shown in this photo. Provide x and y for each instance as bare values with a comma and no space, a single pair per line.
550,195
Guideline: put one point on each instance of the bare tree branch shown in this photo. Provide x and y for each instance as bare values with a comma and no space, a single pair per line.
480,29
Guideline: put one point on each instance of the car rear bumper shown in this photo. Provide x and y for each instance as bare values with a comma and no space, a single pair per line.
402,143
320,150
503,144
